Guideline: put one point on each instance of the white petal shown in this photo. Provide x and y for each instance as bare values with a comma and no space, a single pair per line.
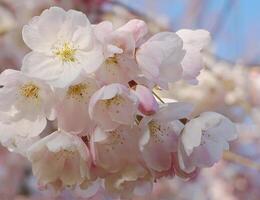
160,57
41,66
90,60
191,135
174,111
194,38
74,20
137,27
42,31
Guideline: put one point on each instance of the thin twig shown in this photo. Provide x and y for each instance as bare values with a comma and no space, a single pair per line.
233,157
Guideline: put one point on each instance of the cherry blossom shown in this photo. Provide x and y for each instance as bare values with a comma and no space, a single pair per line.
119,47
62,49
161,135
160,58
25,102
60,159
113,105
111,148
204,139
73,102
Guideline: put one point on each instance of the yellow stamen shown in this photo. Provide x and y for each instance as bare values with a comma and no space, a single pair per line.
66,53
111,60
77,91
116,100
30,91
154,127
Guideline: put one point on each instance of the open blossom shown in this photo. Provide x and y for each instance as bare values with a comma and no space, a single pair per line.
193,43
113,105
160,58
162,130
60,159
74,101
111,148
25,102
204,139
63,46
119,48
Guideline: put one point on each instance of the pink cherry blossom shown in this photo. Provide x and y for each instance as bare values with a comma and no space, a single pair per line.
113,105
160,58
60,159
204,139
119,48
111,148
74,102
62,49
26,104
162,130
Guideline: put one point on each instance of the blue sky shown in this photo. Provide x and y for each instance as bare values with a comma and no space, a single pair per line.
237,39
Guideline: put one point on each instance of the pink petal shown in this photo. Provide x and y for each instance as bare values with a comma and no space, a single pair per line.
147,102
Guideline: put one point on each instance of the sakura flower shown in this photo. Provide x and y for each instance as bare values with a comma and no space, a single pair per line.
160,58
25,102
113,105
161,135
60,159
204,139
119,47
75,103
111,148
193,43
62,49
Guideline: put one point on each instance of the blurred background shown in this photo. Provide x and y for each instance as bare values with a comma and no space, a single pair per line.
229,84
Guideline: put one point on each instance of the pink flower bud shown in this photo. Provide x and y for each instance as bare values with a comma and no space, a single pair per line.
147,103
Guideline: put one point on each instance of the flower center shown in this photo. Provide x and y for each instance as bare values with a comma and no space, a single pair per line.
64,154
66,53
154,127
30,91
116,100
77,91
111,61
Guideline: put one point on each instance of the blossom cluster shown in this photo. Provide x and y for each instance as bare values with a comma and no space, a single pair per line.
93,84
